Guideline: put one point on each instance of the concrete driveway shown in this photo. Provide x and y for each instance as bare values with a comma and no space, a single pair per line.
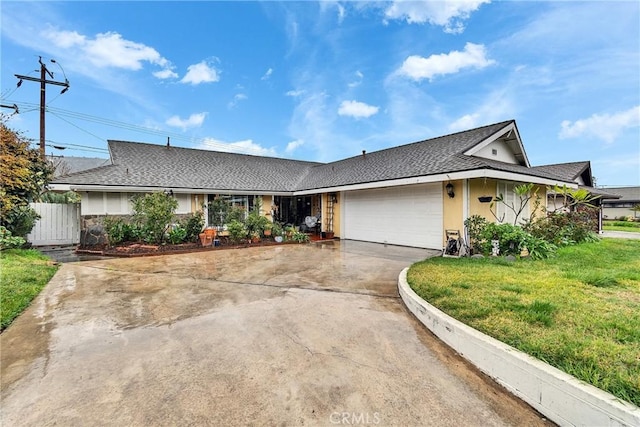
288,335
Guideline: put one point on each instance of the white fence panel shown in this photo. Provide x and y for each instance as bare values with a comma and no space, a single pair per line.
59,224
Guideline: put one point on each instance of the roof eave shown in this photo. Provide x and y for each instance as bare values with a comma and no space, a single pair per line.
510,129
451,176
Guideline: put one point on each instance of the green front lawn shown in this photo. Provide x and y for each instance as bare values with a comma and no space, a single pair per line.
632,227
23,274
578,311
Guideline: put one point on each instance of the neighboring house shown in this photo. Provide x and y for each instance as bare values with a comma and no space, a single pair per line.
628,197
407,195
69,165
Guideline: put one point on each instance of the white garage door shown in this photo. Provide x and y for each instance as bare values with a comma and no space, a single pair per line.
409,216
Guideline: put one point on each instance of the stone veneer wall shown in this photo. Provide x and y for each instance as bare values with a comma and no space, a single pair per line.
92,231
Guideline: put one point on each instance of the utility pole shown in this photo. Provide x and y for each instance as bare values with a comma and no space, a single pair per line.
43,94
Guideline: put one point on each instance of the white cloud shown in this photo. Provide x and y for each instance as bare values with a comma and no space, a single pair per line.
449,14
194,120
202,72
355,83
606,127
65,39
245,147
329,5
236,99
357,109
110,50
293,145
167,73
294,93
341,13
468,121
496,106
267,74
418,67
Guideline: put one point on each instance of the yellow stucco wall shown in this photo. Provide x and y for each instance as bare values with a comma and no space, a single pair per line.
452,214
336,215
481,187
267,201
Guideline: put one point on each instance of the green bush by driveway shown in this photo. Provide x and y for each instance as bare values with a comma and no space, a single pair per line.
23,274
578,311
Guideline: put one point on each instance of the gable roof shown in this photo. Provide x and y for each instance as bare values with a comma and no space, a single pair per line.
157,166
570,171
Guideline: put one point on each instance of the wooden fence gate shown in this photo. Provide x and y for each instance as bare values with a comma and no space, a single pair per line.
59,224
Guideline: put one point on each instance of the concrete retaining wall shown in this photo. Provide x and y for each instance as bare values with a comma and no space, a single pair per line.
561,397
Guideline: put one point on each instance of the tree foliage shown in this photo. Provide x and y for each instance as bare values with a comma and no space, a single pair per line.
23,177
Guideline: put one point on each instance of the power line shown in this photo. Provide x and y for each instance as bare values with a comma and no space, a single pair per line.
78,127
69,145
59,112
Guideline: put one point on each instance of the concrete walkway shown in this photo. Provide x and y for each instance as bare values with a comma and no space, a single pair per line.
289,335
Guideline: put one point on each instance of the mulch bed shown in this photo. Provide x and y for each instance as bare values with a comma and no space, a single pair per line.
132,249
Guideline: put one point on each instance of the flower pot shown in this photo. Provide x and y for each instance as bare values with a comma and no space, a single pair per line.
210,232
206,239
485,199
267,233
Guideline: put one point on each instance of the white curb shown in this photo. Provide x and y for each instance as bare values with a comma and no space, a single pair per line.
562,398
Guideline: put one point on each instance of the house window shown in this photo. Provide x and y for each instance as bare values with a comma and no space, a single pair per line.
243,202
504,212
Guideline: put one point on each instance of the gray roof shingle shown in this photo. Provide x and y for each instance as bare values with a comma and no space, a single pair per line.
158,166
148,165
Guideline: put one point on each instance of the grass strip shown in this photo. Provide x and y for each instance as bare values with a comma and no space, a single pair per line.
578,311
23,274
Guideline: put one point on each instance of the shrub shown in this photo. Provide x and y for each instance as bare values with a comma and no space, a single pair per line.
300,237
7,241
625,224
20,220
256,223
118,230
193,225
237,231
562,229
475,225
512,238
177,234
235,213
539,248
154,213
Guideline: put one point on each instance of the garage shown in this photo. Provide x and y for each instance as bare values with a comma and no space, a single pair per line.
409,215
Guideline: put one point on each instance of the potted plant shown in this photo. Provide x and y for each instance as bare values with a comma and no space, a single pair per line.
268,229
255,237
277,231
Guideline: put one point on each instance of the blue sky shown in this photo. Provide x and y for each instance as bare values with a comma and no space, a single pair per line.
325,80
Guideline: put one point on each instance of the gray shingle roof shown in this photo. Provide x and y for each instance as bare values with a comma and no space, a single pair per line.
429,157
148,165
626,194
569,171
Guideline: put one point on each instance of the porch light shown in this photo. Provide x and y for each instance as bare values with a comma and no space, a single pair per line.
449,188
